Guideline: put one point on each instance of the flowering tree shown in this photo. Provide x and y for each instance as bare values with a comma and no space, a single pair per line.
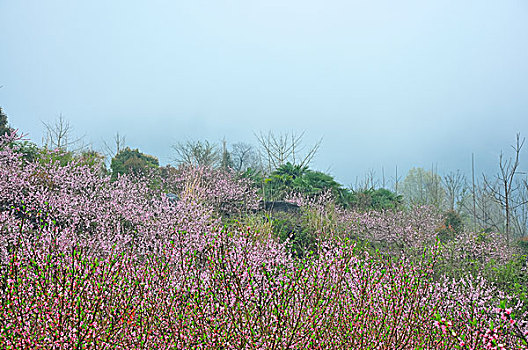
86,262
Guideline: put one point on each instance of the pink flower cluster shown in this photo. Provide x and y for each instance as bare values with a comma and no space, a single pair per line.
221,188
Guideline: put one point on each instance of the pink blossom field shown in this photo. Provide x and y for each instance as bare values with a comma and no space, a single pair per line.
90,263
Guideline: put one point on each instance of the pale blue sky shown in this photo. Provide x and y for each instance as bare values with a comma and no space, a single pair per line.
385,83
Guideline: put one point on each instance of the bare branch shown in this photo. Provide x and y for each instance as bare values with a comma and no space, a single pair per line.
503,188
119,144
197,153
59,136
244,156
278,149
454,184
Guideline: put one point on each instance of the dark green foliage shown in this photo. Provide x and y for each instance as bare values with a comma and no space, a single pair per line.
94,160
453,220
301,240
29,150
284,180
255,175
290,178
226,162
317,182
451,226
523,245
4,128
385,199
132,161
63,157
371,199
511,278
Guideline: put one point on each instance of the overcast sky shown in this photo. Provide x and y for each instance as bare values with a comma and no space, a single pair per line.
385,83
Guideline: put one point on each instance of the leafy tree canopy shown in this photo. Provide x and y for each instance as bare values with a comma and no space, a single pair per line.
132,161
379,199
422,187
297,178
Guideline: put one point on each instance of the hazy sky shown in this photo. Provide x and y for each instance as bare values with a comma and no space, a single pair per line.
385,83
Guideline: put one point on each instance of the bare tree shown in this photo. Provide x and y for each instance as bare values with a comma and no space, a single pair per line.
521,212
110,151
504,187
118,145
455,185
244,156
489,212
435,193
197,153
481,208
282,148
473,192
59,135
370,180
397,180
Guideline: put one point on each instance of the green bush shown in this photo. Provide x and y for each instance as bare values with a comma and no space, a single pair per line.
132,161
451,226
371,199
301,240
511,278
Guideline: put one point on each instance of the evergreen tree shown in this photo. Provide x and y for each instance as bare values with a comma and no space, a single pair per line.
132,161
4,127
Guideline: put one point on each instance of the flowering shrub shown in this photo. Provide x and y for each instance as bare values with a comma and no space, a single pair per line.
222,188
86,263
469,312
